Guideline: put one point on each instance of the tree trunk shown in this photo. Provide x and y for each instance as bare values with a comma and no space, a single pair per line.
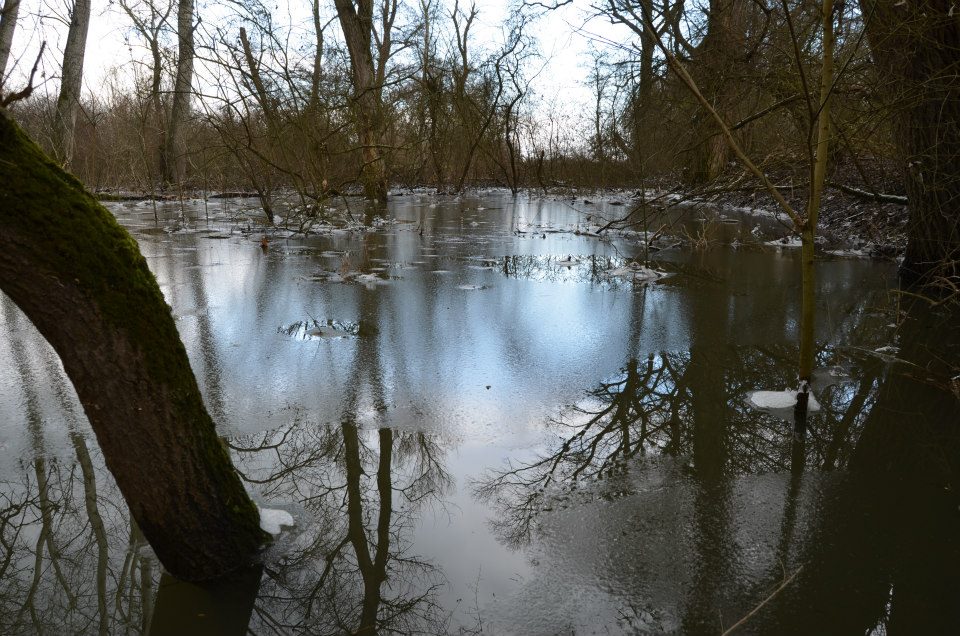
159,113
716,73
916,46
8,24
176,155
71,81
82,281
641,128
808,231
357,24
316,74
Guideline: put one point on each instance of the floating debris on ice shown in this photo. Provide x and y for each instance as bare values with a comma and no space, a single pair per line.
786,241
472,287
637,271
272,520
317,330
780,400
569,261
369,280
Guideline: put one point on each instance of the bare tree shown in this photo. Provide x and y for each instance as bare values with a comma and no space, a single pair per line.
8,25
149,18
182,92
368,75
71,81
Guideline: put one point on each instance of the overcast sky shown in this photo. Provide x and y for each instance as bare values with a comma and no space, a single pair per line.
564,36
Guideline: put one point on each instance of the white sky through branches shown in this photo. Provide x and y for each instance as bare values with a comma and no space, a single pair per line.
114,51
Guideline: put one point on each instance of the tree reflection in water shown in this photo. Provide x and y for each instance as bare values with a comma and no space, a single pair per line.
347,569
666,489
351,570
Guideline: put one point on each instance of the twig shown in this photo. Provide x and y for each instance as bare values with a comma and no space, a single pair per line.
28,89
756,609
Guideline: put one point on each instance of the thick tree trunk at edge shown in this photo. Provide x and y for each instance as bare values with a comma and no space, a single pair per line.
80,278
916,45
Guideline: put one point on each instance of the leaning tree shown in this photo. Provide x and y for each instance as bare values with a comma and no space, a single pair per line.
71,268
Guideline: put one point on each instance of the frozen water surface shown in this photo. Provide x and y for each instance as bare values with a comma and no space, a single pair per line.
567,437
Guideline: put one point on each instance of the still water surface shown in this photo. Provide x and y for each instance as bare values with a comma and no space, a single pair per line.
478,430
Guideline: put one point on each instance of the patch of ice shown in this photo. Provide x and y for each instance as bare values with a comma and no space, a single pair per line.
778,400
850,253
637,272
271,520
569,261
471,287
888,350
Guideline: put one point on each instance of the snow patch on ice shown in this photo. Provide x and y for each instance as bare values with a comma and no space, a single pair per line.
778,400
271,520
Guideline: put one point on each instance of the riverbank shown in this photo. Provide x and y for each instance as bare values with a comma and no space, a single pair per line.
863,210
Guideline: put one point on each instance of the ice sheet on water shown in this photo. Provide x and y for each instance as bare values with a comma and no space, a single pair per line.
778,400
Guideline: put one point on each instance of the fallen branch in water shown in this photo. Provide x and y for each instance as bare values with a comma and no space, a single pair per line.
870,196
756,609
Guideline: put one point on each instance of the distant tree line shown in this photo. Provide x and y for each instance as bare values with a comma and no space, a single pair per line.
406,92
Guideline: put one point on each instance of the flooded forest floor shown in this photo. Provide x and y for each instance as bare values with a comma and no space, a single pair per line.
863,211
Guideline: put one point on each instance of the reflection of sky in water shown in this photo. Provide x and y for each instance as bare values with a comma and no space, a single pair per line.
484,369
536,343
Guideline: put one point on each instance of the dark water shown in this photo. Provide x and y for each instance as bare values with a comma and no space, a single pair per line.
480,437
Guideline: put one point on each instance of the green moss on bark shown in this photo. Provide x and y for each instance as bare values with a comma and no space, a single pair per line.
61,232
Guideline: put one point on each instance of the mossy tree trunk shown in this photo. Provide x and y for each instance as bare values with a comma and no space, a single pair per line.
82,281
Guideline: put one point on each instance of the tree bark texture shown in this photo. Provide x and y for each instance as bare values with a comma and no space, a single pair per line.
80,278
71,82
916,45
176,154
8,25
717,75
356,21
642,127
316,74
